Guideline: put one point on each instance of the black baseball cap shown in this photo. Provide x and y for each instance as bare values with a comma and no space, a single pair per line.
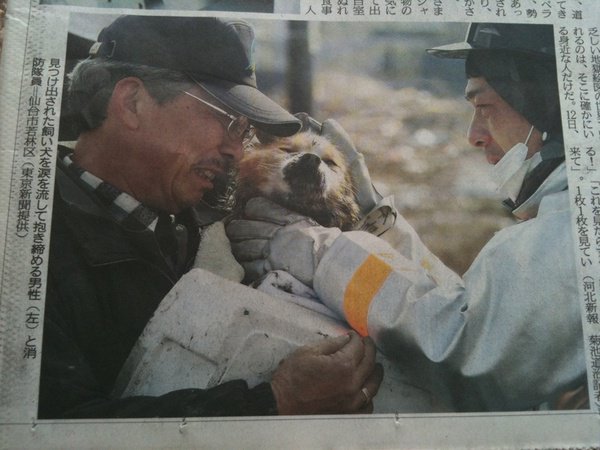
215,53
524,38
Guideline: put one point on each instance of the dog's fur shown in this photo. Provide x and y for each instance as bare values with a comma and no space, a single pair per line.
304,173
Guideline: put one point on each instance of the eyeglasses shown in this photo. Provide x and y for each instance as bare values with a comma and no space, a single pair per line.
238,128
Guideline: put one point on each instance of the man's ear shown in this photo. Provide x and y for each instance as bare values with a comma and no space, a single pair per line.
124,103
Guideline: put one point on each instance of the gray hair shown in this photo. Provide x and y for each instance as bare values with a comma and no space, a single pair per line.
92,82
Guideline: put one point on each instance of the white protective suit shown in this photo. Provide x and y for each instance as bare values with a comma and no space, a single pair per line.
507,336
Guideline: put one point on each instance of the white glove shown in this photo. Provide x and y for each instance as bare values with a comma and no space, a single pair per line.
214,254
270,237
366,195
378,214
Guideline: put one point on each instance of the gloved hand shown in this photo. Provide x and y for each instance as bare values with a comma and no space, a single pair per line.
366,195
214,254
378,214
270,237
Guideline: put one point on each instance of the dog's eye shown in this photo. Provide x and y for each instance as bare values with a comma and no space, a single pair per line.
288,150
330,162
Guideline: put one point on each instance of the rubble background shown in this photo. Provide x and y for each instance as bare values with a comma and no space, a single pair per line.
416,150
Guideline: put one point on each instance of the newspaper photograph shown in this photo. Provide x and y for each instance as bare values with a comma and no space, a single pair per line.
300,224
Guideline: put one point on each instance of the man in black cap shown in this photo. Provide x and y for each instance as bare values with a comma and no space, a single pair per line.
165,106
508,335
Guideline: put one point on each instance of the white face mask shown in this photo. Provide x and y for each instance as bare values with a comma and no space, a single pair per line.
510,171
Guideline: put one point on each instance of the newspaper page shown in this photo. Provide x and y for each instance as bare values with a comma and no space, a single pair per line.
363,63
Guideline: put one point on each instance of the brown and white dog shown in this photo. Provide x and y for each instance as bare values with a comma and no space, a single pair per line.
304,173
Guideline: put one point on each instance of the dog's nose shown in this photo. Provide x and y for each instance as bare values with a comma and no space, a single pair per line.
309,160
303,172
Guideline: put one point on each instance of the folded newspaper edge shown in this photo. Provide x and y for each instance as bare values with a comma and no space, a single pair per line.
24,40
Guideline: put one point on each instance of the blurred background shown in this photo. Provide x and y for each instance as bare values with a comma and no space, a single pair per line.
404,109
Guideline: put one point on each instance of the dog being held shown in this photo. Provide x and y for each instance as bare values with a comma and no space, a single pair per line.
304,173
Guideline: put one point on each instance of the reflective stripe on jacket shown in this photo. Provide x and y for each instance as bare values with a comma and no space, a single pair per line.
507,336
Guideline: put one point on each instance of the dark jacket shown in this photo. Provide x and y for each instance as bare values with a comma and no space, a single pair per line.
104,283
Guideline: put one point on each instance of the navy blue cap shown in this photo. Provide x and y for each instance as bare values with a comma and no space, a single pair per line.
216,53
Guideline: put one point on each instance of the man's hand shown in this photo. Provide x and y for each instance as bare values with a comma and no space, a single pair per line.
271,237
336,376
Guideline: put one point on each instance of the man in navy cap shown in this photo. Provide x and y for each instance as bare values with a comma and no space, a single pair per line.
508,335
164,106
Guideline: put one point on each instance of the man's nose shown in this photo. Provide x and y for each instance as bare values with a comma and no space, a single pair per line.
477,134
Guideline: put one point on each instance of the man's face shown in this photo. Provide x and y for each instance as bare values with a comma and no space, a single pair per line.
495,127
185,147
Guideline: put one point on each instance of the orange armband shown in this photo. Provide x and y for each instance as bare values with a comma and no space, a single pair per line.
361,290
